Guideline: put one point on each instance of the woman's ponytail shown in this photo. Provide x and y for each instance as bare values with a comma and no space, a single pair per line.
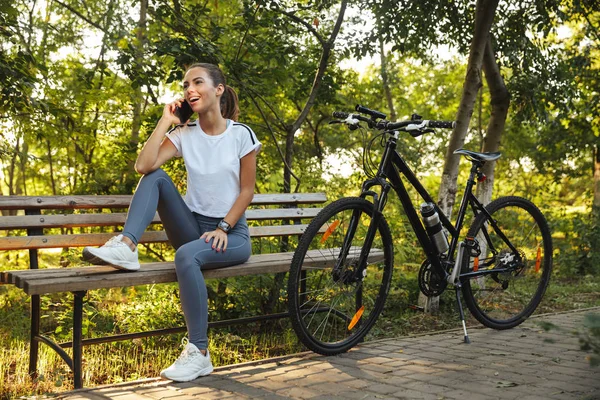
230,108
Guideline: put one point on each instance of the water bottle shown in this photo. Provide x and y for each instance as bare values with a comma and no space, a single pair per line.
432,223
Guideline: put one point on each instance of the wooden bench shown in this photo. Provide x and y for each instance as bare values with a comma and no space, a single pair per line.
46,219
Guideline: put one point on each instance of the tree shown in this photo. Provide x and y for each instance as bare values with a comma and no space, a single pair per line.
484,16
500,100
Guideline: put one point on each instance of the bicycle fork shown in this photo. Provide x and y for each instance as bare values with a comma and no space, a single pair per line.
359,272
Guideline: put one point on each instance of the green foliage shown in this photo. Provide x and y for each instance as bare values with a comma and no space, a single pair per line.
588,333
590,337
576,242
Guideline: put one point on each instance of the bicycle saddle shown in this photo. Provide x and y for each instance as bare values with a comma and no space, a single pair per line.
474,156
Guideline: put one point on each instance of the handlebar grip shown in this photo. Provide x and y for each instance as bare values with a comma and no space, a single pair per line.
441,124
368,111
340,114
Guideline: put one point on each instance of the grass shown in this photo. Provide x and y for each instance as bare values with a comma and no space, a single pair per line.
120,361
153,307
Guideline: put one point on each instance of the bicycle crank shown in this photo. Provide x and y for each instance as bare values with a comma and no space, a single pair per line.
429,283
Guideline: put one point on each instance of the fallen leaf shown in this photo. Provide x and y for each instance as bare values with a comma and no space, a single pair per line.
501,384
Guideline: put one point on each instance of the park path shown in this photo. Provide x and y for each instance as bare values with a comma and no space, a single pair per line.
524,363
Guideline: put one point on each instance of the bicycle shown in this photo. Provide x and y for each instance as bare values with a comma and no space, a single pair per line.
341,270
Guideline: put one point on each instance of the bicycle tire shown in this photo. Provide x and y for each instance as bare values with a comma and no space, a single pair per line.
505,300
353,308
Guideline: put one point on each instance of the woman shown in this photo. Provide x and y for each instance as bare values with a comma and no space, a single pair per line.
208,229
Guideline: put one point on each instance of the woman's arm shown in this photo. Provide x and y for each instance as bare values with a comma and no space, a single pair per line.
247,180
156,150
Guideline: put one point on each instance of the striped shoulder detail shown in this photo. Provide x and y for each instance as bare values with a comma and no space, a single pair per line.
175,127
181,126
248,129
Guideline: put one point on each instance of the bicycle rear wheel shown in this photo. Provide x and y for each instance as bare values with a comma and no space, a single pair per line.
331,308
516,262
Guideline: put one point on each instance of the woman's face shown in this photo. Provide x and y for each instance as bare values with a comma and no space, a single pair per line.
200,92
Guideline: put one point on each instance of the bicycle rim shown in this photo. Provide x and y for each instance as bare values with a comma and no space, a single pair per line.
330,310
504,299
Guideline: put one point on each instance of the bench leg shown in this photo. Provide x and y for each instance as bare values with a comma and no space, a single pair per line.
77,338
35,331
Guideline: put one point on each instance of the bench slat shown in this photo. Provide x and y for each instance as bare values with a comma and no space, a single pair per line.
91,278
98,239
115,219
79,240
122,201
19,278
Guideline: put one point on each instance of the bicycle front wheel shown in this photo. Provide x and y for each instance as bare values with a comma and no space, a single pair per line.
514,265
332,304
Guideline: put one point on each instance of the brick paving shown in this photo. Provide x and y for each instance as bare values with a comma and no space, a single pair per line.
525,363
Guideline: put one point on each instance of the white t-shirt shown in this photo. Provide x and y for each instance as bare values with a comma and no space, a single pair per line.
213,165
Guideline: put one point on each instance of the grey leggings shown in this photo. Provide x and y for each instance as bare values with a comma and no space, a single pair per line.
156,192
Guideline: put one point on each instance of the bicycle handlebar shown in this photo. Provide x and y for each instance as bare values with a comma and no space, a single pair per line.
442,124
415,127
340,114
420,124
372,113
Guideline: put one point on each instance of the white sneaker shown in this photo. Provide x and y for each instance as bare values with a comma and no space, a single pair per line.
190,365
115,253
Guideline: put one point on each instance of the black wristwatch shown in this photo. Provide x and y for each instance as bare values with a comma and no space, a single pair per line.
224,226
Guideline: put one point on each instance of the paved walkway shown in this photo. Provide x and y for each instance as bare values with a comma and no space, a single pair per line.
525,362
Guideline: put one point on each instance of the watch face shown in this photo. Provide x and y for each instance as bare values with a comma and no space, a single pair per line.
224,226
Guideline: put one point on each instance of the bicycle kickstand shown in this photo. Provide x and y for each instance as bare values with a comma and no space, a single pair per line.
457,287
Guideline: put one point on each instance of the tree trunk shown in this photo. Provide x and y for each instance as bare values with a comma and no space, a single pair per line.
483,21
484,17
500,100
385,80
51,165
597,176
480,117
138,99
23,161
13,187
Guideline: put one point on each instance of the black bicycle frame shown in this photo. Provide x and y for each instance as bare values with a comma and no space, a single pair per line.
388,176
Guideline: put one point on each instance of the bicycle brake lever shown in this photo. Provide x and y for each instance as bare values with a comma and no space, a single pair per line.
420,132
336,121
353,127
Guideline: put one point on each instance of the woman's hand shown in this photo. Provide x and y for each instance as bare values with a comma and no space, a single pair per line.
219,239
169,110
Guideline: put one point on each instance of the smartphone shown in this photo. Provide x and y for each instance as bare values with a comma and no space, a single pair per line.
184,112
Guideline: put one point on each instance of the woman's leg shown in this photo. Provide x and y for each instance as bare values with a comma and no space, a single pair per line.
196,255
157,192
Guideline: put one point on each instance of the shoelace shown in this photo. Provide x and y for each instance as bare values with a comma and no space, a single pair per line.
187,353
115,241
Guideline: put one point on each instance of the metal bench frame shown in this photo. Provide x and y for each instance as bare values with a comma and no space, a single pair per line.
34,222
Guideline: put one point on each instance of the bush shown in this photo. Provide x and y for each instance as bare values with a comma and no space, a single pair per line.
589,338
576,239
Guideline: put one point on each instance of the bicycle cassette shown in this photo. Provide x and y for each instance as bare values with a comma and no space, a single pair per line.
515,265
